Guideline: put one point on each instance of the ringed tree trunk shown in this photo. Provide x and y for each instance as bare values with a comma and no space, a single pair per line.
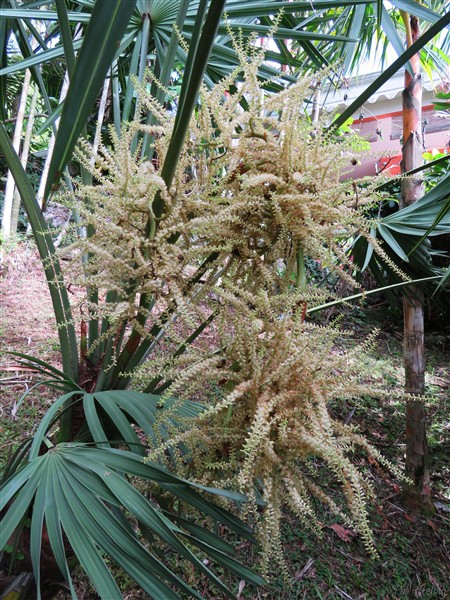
416,495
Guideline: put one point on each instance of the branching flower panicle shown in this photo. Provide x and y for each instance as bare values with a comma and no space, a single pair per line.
255,190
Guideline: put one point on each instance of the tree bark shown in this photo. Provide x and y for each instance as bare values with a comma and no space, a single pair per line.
417,494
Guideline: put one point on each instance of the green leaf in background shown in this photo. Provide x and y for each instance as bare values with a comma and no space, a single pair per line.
417,9
443,101
404,234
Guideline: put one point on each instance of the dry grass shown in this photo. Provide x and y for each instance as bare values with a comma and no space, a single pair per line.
27,325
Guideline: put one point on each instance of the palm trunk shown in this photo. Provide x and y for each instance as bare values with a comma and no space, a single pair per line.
100,118
51,145
7,229
24,158
416,495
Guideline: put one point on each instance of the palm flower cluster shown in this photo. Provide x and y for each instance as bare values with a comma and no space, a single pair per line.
268,181
252,186
257,189
271,434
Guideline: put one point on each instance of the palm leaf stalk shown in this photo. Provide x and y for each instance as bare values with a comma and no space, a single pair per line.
196,66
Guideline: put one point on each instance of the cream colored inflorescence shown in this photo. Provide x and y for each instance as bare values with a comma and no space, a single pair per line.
256,190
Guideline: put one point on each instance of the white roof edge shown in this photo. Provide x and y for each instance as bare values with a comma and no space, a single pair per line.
392,89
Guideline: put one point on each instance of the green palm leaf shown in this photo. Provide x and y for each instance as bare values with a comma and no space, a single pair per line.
237,8
145,410
76,490
389,239
51,15
418,10
38,59
404,235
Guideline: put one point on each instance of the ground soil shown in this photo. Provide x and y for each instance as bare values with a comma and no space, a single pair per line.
27,326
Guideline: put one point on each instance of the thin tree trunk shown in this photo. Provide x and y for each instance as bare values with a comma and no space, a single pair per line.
7,230
24,158
100,118
51,145
316,105
416,495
